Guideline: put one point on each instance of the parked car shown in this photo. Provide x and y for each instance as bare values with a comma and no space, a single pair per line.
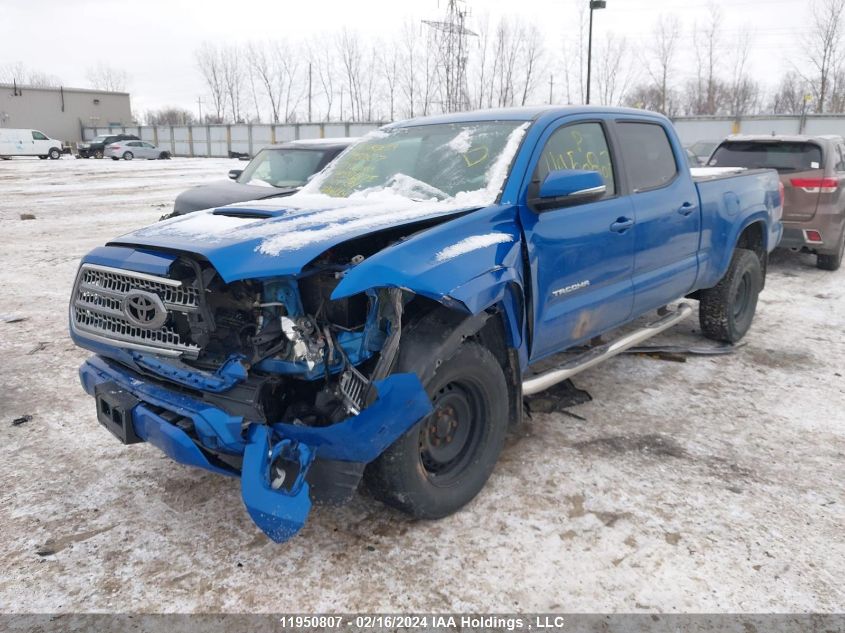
28,142
703,150
96,147
812,170
692,159
384,321
129,150
277,170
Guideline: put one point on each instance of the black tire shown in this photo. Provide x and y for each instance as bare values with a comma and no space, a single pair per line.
128,155
115,158
832,261
43,157
164,156
727,310
55,154
98,154
445,459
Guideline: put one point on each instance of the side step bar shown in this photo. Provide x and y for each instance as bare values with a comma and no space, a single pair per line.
601,353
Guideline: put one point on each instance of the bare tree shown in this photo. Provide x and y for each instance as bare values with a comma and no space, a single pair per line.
389,69
532,56
744,92
614,72
790,95
209,61
322,59
169,115
352,61
660,66
108,78
824,48
233,79
704,93
18,73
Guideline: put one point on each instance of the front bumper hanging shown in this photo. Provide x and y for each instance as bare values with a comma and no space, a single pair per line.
275,458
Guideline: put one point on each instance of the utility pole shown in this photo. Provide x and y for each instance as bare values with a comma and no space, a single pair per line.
594,4
199,107
452,35
551,88
309,92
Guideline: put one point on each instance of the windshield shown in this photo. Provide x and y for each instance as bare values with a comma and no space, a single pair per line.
427,162
779,155
282,167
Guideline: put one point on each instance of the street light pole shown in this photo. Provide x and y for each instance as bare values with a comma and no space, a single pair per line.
594,4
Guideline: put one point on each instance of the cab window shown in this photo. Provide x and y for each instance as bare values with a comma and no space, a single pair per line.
38,136
649,159
578,146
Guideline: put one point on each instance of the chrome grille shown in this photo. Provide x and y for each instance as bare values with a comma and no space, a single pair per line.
96,309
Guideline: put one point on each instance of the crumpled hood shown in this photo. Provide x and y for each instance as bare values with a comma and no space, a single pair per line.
222,192
279,237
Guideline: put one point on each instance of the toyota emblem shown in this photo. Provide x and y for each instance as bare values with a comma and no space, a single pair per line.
144,309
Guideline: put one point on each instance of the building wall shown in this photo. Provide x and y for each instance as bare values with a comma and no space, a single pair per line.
61,113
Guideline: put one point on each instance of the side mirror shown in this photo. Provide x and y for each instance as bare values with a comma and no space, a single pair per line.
234,174
566,187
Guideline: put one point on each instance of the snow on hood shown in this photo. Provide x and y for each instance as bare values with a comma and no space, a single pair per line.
279,237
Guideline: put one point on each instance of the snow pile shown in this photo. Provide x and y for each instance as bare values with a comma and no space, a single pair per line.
462,142
472,243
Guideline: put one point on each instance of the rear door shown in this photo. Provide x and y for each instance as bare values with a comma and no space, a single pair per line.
582,255
800,165
665,199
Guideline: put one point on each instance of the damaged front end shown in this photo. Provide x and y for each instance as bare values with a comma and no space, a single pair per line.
270,380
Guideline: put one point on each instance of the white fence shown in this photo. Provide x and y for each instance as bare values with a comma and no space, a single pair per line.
220,140
692,129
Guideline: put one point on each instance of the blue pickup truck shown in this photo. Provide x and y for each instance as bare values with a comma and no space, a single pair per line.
382,323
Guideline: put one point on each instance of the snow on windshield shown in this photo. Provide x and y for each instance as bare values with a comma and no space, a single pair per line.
311,217
445,161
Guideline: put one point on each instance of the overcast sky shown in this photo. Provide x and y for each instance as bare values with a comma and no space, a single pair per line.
154,40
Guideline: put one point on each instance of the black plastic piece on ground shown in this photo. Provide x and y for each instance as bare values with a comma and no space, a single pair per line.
561,396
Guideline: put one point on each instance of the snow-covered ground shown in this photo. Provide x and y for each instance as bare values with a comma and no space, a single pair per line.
714,485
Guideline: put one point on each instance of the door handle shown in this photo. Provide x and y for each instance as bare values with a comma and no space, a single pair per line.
621,225
686,208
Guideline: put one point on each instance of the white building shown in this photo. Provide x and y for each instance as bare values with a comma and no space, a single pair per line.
62,112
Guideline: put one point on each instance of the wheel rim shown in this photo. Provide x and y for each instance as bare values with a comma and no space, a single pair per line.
451,434
743,296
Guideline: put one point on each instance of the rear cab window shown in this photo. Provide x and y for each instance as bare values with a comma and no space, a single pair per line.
783,156
648,155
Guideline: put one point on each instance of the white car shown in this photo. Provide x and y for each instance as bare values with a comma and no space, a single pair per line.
127,150
28,142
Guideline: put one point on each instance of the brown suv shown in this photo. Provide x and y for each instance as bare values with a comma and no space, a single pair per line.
812,170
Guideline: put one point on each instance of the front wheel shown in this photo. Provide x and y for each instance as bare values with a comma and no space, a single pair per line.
727,310
164,156
98,154
128,155
55,154
444,460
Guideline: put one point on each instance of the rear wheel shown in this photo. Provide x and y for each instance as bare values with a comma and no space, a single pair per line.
43,157
98,153
832,261
727,310
444,460
55,154
164,156
128,155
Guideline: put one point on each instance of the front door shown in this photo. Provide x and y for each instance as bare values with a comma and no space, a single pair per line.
582,255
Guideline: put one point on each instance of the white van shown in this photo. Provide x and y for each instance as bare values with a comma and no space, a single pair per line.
28,143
